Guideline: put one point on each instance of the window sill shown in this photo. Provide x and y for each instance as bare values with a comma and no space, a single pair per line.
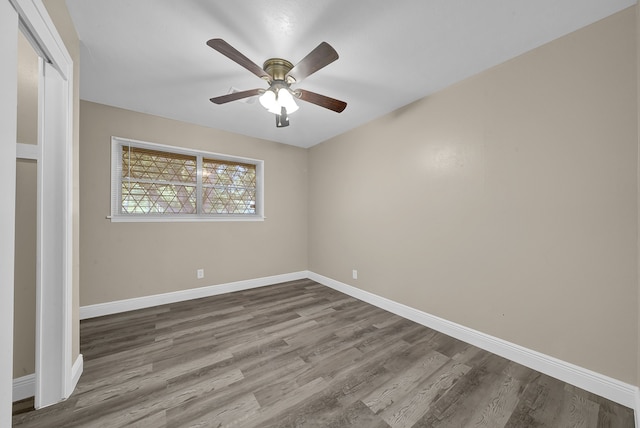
181,218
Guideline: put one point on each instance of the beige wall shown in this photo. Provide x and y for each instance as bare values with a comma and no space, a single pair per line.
506,203
59,14
27,126
125,260
24,315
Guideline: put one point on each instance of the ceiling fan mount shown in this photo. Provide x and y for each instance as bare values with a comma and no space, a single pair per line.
278,68
281,74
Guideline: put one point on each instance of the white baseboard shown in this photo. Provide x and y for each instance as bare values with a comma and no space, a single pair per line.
100,309
76,372
24,387
604,386
636,409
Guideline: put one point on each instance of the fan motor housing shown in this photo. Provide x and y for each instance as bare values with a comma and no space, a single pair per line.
277,68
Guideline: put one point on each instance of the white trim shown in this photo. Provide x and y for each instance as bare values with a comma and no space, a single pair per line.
54,260
28,151
186,218
604,386
67,290
24,387
76,372
8,111
40,30
39,258
636,409
100,309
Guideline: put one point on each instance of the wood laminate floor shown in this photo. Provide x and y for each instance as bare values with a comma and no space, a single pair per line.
299,354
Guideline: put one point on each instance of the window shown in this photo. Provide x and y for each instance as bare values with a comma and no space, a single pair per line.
153,182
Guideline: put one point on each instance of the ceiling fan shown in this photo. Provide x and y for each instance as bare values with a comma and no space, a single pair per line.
279,98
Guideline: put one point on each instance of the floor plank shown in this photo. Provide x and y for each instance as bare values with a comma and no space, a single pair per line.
299,354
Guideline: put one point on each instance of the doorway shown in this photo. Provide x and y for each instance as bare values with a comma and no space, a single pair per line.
54,379
26,237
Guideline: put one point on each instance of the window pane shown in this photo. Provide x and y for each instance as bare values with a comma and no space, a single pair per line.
154,198
152,182
155,165
228,187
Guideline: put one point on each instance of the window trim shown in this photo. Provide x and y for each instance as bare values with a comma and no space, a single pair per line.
116,184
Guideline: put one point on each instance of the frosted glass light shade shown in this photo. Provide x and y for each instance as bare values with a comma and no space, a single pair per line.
285,99
268,99
274,103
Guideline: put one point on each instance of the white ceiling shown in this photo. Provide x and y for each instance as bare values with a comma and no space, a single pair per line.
151,55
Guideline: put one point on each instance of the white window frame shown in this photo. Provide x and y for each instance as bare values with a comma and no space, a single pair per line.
116,184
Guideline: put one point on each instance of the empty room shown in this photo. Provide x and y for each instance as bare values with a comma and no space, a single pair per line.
319,214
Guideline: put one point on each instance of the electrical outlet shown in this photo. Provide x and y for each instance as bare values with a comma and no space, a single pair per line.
200,273
355,274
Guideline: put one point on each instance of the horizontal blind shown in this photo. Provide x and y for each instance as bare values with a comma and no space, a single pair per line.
158,182
228,187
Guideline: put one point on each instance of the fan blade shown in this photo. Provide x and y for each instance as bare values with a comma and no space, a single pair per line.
236,96
234,55
318,58
321,100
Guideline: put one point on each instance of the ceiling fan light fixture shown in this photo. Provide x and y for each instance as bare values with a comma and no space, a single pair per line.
279,98
275,109
285,99
275,98
268,99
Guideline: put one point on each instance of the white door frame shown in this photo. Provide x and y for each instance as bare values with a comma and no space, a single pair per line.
53,296
55,206
8,116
